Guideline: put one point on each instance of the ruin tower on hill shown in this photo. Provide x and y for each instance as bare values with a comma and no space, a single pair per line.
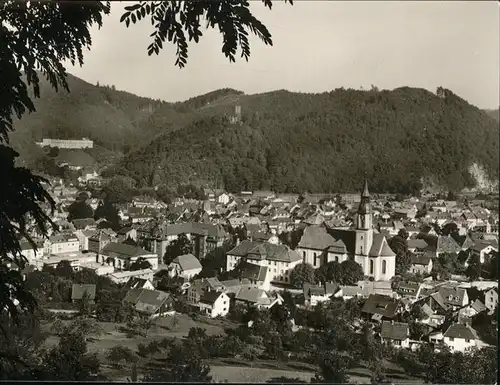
236,118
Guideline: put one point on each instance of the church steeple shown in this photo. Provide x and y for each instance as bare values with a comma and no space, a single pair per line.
364,221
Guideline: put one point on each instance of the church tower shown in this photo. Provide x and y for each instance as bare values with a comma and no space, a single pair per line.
365,215
364,229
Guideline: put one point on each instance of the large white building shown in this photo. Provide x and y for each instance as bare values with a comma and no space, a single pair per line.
320,245
278,259
65,143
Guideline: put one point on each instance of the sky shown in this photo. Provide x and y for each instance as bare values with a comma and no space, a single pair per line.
318,46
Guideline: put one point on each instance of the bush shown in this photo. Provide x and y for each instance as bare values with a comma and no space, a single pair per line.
118,354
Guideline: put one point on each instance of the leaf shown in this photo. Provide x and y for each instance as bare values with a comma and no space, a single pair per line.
132,7
134,19
124,16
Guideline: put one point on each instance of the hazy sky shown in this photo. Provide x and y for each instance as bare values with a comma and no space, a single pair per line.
318,46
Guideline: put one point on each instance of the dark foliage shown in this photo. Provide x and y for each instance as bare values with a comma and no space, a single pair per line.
355,129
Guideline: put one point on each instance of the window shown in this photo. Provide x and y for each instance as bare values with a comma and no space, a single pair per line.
336,259
225,302
371,266
315,258
467,340
304,256
225,309
384,267
397,342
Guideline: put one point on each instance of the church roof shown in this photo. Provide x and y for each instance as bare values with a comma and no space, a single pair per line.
380,247
338,247
316,237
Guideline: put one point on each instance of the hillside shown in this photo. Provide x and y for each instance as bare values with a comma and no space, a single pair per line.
494,114
324,142
115,120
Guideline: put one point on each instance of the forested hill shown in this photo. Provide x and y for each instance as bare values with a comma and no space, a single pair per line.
494,114
324,142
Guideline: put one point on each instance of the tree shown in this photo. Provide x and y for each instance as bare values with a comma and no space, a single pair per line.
59,31
107,210
351,273
79,210
333,369
302,273
140,264
473,271
64,269
69,361
84,306
184,365
180,246
118,354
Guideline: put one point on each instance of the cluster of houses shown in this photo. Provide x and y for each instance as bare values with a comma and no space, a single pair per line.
355,227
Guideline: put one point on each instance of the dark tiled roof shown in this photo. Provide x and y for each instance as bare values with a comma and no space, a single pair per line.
252,271
149,301
460,330
265,250
121,250
420,259
209,297
382,305
80,224
395,330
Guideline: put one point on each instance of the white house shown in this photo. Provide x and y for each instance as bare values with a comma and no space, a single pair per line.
482,249
396,334
257,297
223,198
459,337
279,259
62,243
491,299
186,266
214,304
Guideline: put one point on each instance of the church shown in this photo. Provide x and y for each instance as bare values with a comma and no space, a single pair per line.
320,244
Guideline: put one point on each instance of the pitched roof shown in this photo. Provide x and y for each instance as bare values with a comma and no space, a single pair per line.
209,297
380,247
250,294
78,290
80,224
123,251
317,238
338,247
420,259
265,250
460,330
149,301
253,272
478,306
382,305
416,244
395,330
446,244
187,262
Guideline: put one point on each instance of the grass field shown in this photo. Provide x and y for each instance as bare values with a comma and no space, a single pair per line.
231,370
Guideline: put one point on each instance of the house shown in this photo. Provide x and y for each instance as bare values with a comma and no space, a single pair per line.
139,283
152,303
396,334
186,266
121,255
472,310
84,224
491,299
315,294
379,307
257,297
200,286
460,337
482,249
446,244
62,243
278,259
79,290
415,245
421,264
214,304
